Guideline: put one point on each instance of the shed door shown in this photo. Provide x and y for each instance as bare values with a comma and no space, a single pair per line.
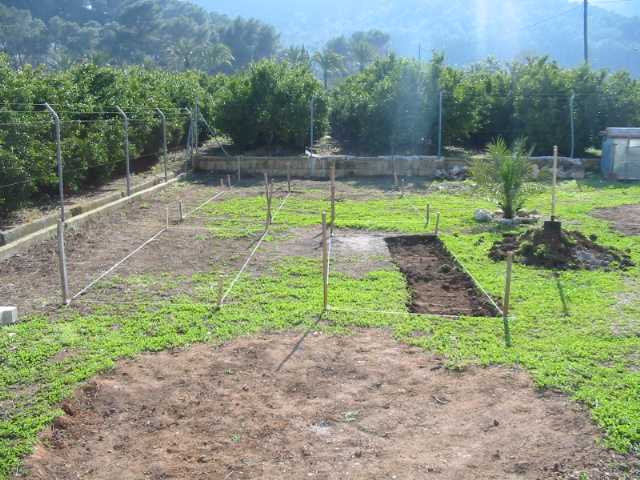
633,159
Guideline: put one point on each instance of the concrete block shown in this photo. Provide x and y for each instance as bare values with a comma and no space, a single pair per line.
8,315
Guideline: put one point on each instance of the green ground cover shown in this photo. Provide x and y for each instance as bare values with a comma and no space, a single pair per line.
577,333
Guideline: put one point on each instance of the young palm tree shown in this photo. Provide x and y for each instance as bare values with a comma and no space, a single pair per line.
362,54
216,55
184,54
506,176
60,62
295,55
330,62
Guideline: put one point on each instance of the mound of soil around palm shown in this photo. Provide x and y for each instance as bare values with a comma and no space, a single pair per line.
570,250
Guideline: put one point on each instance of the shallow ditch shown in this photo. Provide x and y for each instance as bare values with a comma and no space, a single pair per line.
438,282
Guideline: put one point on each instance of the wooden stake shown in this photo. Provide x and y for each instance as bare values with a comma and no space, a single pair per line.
325,262
272,187
427,216
333,207
222,183
229,181
289,177
553,187
166,217
239,179
402,187
181,211
437,223
507,295
395,179
63,263
333,173
266,190
220,288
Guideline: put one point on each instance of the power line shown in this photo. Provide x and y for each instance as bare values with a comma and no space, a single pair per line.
513,31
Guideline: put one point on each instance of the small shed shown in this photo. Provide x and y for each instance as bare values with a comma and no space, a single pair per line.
621,153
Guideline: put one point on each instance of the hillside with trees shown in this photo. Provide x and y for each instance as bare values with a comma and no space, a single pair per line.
87,58
466,31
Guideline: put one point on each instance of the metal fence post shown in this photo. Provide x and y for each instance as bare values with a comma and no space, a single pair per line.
195,130
164,142
573,132
56,118
313,99
126,148
440,126
189,156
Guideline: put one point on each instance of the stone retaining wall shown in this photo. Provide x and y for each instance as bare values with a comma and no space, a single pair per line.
319,167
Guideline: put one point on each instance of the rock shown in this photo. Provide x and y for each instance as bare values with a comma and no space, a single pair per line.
481,215
535,171
578,174
524,220
507,221
440,174
522,213
458,172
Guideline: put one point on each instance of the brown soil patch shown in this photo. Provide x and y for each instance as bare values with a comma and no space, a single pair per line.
292,405
625,218
438,283
571,250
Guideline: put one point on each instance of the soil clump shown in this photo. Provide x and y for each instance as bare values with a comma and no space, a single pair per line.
570,250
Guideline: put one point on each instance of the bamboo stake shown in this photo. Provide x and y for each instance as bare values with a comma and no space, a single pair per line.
437,223
289,177
427,216
553,187
325,262
333,207
401,187
63,263
507,296
239,178
333,173
220,288
266,189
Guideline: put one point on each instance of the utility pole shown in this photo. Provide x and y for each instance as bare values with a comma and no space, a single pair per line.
586,41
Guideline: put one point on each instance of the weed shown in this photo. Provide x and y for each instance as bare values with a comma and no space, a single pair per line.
350,415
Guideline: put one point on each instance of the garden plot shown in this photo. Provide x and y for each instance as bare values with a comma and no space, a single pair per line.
271,403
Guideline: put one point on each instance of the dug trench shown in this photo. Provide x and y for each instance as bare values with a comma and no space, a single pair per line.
438,283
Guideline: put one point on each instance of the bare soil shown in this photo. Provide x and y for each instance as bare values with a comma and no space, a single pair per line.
438,283
288,404
310,405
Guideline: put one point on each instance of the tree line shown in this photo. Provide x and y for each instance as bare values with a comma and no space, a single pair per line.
390,104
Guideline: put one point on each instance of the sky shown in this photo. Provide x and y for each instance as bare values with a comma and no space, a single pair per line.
624,7
248,8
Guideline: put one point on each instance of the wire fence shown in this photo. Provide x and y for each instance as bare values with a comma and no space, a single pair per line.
50,157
